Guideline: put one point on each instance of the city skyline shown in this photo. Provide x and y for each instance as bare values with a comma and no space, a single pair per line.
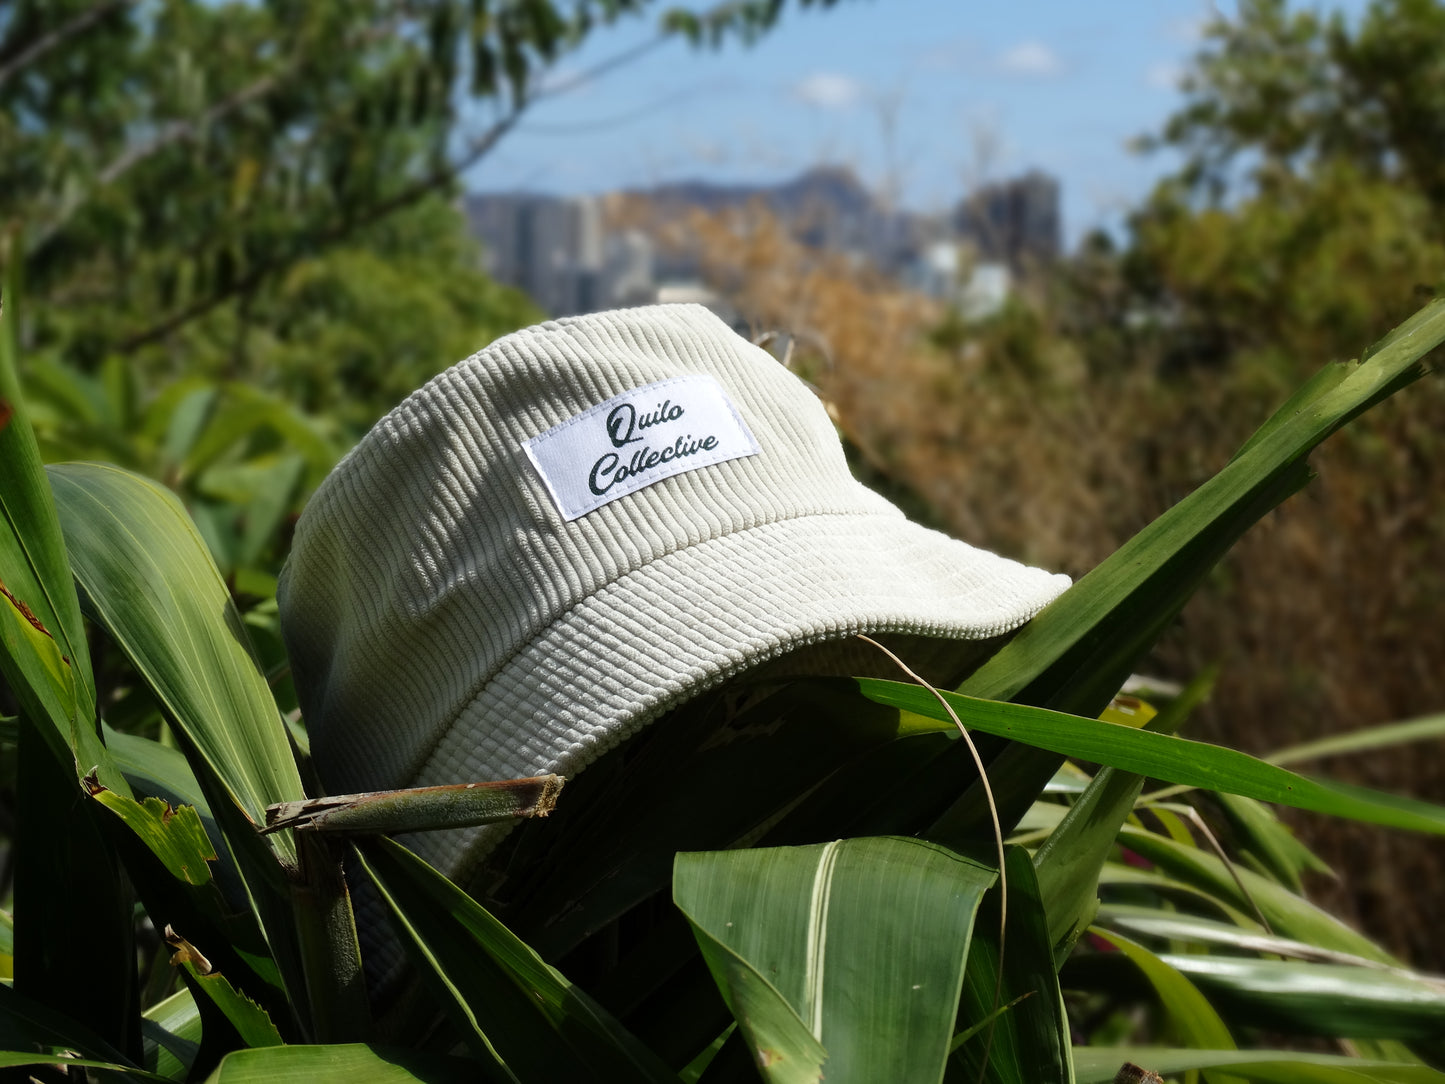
578,254
923,99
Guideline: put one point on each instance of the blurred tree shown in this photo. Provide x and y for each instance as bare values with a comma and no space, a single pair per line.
1307,215
170,157
234,222
1277,93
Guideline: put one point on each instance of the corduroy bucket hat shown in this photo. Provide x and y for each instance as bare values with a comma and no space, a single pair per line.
559,539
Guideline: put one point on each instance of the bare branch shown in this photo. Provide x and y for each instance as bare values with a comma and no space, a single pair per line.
602,67
180,130
61,34
174,132
411,194
438,179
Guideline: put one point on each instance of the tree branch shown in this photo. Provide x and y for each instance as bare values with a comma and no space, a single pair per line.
182,130
61,34
412,193
477,149
179,130
128,159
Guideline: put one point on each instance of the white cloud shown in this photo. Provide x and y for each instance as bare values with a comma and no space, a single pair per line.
1189,29
1164,75
1222,9
951,55
561,79
829,90
710,152
1033,59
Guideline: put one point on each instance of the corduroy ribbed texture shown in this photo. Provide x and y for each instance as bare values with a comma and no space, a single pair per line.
445,624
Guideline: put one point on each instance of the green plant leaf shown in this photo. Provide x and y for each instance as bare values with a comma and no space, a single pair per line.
177,416
229,1019
214,911
522,1018
1101,624
252,1023
28,1027
1260,837
1367,739
273,494
341,1064
1287,914
1175,926
1070,858
167,856
63,390
16,1059
1097,1065
42,639
175,836
1076,653
239,412
719,769
694,1070
171,1033
1030,1039
777,1040
1319,999
42,674
153,586
73,905
701,779
1163,756
71,902
1192,1019
162,771
815,926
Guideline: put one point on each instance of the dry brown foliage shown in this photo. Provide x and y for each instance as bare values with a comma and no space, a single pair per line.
1325,618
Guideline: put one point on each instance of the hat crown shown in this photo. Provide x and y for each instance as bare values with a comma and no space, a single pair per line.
442,535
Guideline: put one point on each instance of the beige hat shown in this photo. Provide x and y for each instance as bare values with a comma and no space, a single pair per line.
565,535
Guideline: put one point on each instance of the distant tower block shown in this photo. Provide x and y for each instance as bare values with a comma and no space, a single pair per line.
1015,222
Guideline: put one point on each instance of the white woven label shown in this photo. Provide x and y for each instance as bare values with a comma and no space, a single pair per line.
637,438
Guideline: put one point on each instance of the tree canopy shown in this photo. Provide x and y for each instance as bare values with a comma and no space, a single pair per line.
1280,92
1306,217
162,160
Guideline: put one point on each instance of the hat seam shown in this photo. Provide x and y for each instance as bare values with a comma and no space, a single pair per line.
475,689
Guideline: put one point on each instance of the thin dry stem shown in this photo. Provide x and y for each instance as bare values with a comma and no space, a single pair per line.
1192,816
997,837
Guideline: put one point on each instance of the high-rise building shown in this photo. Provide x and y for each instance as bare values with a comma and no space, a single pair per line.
1015,222
629,269
576,255
546,245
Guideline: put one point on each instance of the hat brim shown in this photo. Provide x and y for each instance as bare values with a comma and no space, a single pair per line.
701,615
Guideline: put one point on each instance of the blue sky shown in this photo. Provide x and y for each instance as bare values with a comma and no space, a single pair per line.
923,98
